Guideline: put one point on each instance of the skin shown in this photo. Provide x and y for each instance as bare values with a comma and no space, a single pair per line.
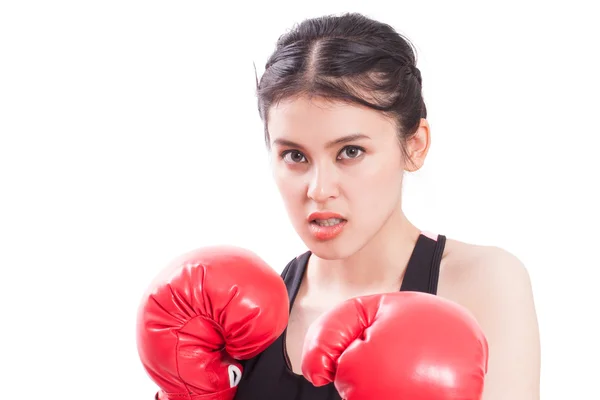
318,165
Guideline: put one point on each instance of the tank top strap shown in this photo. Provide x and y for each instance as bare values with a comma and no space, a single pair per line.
293,273
423,269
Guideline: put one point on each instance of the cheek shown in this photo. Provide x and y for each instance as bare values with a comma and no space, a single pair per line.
375,187
290,187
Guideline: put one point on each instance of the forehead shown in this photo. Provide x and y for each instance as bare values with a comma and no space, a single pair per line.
303,118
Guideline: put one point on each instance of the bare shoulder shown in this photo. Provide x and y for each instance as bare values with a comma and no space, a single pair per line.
490,281
495,286
469,271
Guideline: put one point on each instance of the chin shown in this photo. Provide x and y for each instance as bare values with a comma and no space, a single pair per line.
334,249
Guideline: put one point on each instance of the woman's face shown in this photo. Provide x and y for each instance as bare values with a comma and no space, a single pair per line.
339,170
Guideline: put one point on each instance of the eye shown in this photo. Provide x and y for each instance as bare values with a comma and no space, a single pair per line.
293,157
351,152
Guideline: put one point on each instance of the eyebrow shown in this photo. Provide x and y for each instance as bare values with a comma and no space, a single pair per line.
335,142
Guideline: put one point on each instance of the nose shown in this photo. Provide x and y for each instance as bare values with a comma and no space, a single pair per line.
323,185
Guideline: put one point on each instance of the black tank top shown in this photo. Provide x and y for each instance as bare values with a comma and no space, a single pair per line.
268,375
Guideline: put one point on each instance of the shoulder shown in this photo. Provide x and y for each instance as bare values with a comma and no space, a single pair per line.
489,281
495,286
473,268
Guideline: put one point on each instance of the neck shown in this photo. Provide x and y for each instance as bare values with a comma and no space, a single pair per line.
380,264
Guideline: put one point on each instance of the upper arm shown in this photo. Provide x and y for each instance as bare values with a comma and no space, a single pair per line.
501,299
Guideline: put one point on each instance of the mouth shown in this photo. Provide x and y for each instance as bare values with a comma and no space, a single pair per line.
327,222
325,218
325,225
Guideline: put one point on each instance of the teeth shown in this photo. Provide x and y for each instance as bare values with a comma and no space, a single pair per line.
328,222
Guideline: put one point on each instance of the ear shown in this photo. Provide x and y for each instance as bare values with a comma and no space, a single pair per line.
417,147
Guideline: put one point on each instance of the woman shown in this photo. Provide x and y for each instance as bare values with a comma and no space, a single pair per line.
344,119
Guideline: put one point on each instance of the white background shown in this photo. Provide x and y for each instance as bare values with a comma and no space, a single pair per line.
129,134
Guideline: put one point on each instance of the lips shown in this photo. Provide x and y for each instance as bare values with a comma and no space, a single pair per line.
326,225
324,215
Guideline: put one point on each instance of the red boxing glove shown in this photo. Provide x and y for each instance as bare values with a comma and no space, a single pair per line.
404,345
209,308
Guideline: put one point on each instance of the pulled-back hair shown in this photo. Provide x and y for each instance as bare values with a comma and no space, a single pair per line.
349,58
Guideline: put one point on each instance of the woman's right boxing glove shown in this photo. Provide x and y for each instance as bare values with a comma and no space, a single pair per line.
209,308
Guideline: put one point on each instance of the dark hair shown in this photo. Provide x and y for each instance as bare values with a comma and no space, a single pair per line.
348,58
